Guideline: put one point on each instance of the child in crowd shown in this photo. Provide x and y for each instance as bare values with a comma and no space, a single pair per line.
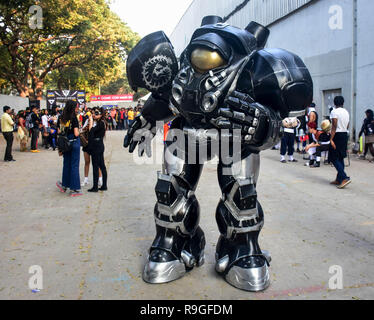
53,133
288,139
320,143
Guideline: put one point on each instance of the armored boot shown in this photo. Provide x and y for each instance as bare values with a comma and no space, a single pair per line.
179,243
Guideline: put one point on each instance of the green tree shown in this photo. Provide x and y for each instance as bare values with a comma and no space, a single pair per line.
80,43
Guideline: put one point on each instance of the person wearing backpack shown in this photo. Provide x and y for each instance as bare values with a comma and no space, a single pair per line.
28,123
368,130
68,128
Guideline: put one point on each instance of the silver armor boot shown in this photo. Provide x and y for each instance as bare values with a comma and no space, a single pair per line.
250,279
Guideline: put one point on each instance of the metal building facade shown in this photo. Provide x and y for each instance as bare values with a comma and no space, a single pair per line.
307,28
235,12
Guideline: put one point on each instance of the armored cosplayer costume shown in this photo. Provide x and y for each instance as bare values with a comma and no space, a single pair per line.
225,82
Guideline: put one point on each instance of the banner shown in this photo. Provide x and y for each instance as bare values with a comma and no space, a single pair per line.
117,97
60,97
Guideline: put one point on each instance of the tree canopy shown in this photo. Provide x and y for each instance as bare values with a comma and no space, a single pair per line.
80,44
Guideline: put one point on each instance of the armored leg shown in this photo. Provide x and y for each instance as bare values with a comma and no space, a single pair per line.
179,243
240,218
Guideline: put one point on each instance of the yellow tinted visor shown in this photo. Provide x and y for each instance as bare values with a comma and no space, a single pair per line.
203,60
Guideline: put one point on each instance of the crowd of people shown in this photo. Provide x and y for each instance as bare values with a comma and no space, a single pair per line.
67,131
121,118
329,140
86,127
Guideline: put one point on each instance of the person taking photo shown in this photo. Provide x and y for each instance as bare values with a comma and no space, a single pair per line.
96,149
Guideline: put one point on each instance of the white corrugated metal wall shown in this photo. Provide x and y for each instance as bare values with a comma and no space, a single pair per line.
238,12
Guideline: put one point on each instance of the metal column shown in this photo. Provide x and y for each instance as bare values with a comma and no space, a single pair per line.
354,74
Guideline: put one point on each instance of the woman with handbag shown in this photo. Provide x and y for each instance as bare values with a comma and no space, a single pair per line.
96,149
68,127
368,129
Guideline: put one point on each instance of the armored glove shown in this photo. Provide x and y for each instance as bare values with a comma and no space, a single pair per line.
140,132
260,126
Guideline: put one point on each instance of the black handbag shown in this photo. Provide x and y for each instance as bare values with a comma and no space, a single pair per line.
63,143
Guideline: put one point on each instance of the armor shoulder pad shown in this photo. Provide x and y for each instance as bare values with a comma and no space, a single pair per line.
152,63
279,79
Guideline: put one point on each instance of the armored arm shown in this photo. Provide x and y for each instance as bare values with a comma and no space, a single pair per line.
143,129
275,84
260,125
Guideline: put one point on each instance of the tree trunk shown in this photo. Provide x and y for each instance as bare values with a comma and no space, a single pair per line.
23,91
39,89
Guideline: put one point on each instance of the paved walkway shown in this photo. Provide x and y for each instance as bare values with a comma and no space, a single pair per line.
95,246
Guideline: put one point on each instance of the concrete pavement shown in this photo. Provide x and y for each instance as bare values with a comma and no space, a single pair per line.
95,246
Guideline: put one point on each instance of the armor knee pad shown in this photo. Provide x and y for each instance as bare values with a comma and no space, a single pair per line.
239,212
176,208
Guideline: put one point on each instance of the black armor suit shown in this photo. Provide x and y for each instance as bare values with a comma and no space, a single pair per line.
225,87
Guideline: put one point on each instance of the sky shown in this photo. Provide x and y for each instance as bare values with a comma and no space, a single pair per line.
147,16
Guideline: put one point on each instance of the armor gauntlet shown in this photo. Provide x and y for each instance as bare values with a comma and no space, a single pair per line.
143,129
260,126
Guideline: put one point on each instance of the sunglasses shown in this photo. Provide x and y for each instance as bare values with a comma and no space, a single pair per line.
97,113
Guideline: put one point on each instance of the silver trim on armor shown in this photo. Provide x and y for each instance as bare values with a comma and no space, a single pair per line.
293,114
177,93
248,138
201,260
188,259
250,279
240,214
250,168
143,121
251,130
201,134
222,264
174,109
256,227
231,206
210,101
172,165
172,225
184,75
162,272
173,210
267,255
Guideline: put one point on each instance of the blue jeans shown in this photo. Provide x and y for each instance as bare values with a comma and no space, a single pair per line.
70,170
339,166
